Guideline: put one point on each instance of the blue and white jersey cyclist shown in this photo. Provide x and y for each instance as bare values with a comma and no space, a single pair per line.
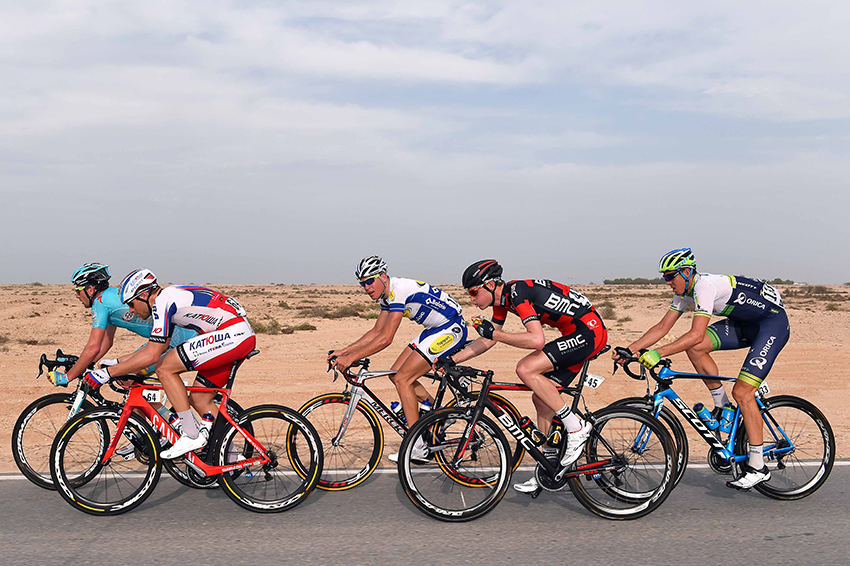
91,285
755,319
445,332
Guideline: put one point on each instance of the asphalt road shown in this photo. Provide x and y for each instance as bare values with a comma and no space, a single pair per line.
701,523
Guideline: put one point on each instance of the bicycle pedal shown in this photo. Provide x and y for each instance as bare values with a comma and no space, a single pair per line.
534,494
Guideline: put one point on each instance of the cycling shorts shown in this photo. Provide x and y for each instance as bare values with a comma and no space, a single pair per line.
569,352
765,339
212,354
443,340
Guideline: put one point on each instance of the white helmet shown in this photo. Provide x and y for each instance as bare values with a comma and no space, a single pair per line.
371,266
137,282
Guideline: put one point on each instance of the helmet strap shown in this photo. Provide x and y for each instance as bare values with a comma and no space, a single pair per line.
688,278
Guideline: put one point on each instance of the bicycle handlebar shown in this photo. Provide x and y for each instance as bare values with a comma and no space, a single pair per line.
626,354
62,360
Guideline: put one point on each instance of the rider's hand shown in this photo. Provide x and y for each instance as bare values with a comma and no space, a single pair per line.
106,362
343,362
621,355
650,359
483,327
57,378
441,363
96,378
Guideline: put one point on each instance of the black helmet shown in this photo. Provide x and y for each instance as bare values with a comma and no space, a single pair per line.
481,272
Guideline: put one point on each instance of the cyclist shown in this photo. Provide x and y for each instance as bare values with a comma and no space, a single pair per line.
755,319
91,285
224,336
538,302
445,332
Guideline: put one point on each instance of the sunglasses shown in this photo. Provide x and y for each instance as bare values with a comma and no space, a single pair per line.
78,289
364,282
671,276
473,291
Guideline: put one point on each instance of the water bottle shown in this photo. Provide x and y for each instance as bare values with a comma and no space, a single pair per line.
424,407
396,408
528,426
706,417
174,421
726,418
207,420
556,434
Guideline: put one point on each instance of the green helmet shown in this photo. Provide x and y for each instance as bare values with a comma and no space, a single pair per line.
676,260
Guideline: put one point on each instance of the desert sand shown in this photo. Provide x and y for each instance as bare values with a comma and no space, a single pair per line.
291,368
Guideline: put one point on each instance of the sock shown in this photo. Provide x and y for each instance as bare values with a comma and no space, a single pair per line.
720,397
756,456
571,421
190,428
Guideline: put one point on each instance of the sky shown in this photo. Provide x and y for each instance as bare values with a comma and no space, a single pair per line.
280,142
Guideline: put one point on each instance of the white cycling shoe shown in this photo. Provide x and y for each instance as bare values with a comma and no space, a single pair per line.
185,444
751,478
419,455
575,443
529,486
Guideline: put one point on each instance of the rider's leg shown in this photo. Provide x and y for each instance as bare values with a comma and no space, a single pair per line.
745,396
412,368
168,370
420,391
202,401
703,363
530,370
544,414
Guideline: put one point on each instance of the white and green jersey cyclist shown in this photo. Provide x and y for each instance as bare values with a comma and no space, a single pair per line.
755,318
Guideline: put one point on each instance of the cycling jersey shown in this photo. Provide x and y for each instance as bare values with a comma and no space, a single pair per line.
755,319
583,333
420,302
553,304
738,298
197,308
224,334
107,310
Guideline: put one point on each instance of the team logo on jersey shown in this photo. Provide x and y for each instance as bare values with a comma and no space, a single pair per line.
208,340
571,343
421,283
441,344
592,323
128,316
406,313
391,296
758,362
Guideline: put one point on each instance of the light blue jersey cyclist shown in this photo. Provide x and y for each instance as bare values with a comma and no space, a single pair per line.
91,285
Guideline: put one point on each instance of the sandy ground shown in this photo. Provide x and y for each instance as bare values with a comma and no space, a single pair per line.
36,319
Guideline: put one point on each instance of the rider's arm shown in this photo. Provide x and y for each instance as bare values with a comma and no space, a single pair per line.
476,348
531,339
145,356
106,343
656,333
691,338
385,327
90,353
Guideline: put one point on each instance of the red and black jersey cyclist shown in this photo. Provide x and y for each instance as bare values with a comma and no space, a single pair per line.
538,302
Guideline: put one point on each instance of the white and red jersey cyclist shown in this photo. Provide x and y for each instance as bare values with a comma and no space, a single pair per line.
224,334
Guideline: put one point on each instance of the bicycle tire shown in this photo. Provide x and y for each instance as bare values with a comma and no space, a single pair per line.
517,451
357,454
674,427
434,487
180,469
33,434
277,485
804,470
117,485
644,466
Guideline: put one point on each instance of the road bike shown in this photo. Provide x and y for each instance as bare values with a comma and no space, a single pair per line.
469,470
38,423
799,445
350,427
250,455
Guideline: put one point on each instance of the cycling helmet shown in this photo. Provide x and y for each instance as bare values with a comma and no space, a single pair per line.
676,260
137,282
481,272
96,274
371,266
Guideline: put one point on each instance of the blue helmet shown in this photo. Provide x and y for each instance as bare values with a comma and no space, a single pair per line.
96,274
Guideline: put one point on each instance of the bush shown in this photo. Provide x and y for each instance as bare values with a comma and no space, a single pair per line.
3,338
37,284
779,281
260,327
833,307
633,281
324,312
625,319
284,305
303,326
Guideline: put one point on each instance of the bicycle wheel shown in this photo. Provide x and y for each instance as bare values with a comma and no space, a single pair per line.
629,463
799,447
674,427
33,434
517,451
275,486
104,488
180,469
484,468
351,459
